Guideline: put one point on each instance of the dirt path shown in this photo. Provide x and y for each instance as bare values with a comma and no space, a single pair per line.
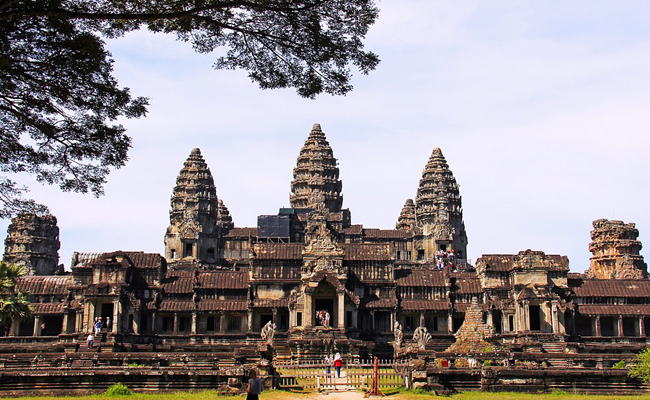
341,395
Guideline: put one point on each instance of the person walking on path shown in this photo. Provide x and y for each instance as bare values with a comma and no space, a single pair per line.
254,386
328,363
338,363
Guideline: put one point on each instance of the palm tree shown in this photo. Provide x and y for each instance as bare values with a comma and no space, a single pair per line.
14,304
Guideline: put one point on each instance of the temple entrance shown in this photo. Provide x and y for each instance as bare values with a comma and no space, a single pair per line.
324,299
107,311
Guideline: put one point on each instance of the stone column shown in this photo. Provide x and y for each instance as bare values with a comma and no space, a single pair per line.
15,324
355,317
292,317
275,315
37,325
372,319
89,316
80,322
175,330
490,319
249,320
422,318
619,326
554,317
597,326
154,322
526,324
137,322
450,322
195,322
117,316
222,322
64,325
393,318
341,312
308,318
642,327
244,323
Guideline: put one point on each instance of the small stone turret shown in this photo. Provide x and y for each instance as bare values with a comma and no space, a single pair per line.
193,232
316,171
473,335
615,250
438,208
224,220
33,241
406,218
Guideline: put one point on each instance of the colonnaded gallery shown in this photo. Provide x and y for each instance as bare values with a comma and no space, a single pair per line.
263,292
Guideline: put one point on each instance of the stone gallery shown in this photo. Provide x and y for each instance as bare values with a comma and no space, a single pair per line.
308,282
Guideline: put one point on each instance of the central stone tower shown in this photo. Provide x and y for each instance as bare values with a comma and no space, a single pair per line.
438,209
316,171
193,233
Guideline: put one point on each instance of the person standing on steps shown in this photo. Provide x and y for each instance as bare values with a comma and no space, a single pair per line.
338,363
91,340
254,386
328,363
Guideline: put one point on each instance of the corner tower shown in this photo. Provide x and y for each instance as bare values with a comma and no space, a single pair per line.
193,233
615,250
316,171
33,242
438,209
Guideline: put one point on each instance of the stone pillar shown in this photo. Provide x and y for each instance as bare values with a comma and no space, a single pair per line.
393,318
292,317
597,326
244,323
80,323
175,330
308,318
37,325
249,320
619,326
64,325
490,319
422,318
642,332
154,322
117,316
355,317
137,322
554,317
222,322
341,312
195,322
15,325
372,318
275,315
450,322
89,316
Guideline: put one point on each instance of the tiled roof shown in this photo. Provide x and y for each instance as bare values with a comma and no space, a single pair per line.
387,233
611,288
425,305
353,230
468,283
224,279
278,251
139,259
367,251
44,285
270,303
421,277
506,262
176,305
178,281
242,233
222,305
462,307
381,303
145,260
611,309
47,308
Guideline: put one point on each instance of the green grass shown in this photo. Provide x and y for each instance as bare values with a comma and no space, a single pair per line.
416,395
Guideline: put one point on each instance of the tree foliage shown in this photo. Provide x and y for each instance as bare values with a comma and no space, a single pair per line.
640,367
13,303
59,101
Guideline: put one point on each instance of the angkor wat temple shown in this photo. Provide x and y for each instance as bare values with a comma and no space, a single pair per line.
218,286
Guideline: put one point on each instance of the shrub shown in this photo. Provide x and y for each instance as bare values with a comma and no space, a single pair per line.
119,389
620,365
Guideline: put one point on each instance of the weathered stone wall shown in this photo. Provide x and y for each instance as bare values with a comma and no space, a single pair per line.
33,241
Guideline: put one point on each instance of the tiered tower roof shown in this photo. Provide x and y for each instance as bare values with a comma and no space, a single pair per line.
615,250
33,242
316,171
224,220
195,195
406,218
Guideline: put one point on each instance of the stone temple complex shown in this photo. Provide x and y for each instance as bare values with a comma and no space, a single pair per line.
240,297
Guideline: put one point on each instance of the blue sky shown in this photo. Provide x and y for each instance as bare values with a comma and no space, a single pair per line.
541,109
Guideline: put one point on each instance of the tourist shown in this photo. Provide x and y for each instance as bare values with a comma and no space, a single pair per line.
326,320
338,363
98,326
108,323
329,360
254,386
91,340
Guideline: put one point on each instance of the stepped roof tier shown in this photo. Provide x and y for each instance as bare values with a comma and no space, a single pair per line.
406,218
224,220
615,250
316,171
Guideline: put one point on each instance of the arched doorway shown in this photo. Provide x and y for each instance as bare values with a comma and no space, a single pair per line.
325,299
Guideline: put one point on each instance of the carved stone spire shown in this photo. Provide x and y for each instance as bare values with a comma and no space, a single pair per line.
224,220
615,250
406,218
316,171
438,208
193,217
33,242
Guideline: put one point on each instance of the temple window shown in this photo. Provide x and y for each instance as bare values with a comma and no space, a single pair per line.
210,324
299,319
188,250
211,253
172,253
420,254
